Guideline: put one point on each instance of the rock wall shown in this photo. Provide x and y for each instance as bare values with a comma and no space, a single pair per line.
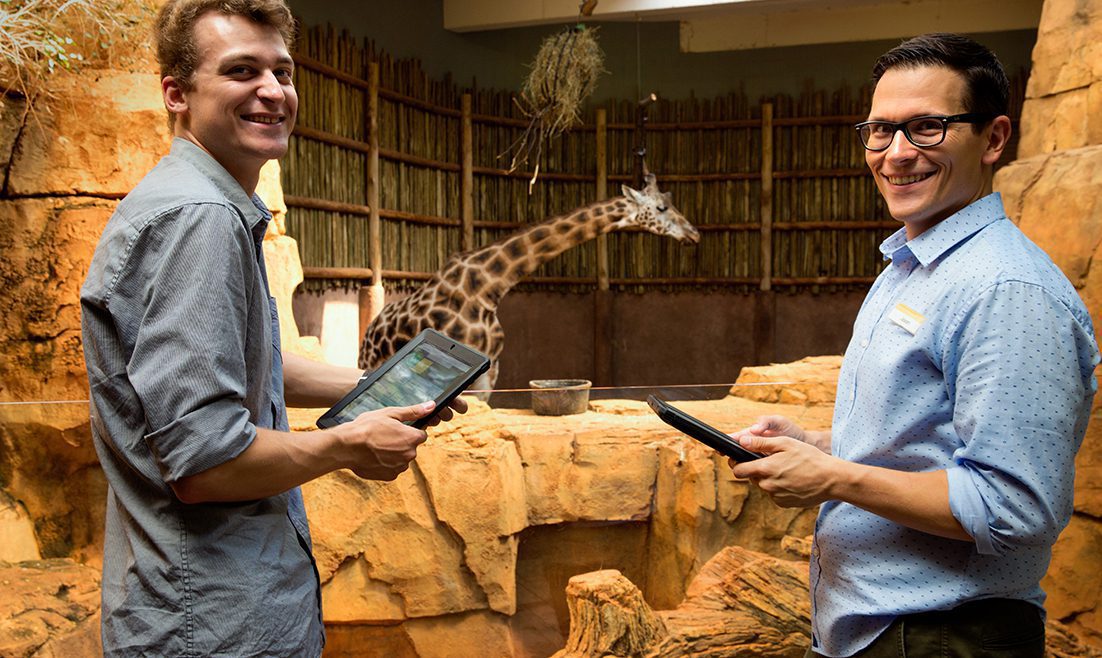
445,543
1054,192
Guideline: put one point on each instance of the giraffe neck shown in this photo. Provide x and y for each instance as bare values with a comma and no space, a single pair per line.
504,263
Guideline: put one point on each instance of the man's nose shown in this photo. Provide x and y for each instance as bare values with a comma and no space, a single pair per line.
270,87
900,147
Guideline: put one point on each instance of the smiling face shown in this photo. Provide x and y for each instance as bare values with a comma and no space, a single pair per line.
923,186
241,104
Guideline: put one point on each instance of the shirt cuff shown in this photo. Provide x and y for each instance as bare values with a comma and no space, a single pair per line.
968,508
202,439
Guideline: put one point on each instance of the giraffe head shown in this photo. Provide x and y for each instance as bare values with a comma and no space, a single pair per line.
653,210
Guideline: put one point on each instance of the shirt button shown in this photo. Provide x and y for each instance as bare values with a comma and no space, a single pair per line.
864,343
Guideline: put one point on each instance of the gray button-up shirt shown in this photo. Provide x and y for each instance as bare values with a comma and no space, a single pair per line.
181,340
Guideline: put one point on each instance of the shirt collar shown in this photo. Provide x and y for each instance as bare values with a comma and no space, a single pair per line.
946,234
252,208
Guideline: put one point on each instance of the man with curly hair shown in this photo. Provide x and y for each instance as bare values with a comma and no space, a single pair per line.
207,549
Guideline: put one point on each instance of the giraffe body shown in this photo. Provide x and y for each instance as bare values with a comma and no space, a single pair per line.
461,299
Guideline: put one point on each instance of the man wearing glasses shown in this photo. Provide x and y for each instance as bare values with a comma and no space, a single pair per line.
948,472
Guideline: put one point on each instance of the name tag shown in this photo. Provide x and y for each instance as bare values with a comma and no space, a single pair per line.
907,317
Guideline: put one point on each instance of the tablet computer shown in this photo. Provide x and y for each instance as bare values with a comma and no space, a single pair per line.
700,431
429,367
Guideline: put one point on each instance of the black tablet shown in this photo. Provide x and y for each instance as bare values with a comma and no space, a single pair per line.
702,432
429,367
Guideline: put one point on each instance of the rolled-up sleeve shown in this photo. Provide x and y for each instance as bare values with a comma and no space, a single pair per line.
1022,390
188,295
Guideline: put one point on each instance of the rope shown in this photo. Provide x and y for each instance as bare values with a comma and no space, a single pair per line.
496,390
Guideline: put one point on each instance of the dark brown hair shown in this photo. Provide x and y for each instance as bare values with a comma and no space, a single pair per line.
174,32
986,84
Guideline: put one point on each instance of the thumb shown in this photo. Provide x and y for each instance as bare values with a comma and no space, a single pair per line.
412,412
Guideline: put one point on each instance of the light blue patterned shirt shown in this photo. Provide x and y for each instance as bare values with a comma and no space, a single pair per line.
972,354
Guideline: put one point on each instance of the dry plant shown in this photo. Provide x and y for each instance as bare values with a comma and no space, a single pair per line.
563,75
41,37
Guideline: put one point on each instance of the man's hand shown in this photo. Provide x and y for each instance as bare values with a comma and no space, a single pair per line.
379,445
783,426
793,473
456,406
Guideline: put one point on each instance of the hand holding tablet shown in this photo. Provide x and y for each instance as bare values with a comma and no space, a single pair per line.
700,431
429,367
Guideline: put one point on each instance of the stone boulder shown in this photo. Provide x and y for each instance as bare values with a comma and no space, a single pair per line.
50,609
48,468
742,603
810,381
65,149
47,245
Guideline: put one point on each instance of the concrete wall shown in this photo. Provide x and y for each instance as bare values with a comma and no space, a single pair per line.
659,338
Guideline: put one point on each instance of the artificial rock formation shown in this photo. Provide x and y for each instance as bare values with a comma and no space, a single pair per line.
742,603
445,540
49,609
1054,192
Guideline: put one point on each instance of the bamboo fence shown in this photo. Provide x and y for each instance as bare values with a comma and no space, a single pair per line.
778,188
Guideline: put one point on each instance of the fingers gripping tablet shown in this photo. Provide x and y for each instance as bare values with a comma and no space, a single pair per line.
702,432
429,367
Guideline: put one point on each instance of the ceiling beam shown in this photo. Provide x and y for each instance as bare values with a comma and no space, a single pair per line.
474,15
716,25
746,27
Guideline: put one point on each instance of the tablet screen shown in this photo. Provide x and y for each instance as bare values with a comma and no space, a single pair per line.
424,373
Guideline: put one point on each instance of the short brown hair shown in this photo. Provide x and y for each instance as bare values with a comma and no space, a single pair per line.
174,32
987,89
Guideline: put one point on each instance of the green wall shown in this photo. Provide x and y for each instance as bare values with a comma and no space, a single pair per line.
498,58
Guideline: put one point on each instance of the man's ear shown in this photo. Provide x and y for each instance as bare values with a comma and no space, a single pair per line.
173,93
998,136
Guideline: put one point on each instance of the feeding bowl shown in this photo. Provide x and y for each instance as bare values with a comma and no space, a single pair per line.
560,397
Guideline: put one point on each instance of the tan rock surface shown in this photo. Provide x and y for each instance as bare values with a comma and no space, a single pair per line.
480,633
47,245
73,149
48,465
12,116
49,609
608,617
17,540
1052,191
809,381
1068,52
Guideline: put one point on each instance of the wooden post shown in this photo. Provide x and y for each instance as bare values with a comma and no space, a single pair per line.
765,307
766,196
376,295
466,187
602,308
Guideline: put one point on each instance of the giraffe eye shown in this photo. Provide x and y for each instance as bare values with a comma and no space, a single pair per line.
662,208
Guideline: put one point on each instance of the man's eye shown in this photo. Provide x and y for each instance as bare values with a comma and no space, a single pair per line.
926,127
881,129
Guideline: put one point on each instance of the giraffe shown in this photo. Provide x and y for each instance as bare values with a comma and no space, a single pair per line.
461,299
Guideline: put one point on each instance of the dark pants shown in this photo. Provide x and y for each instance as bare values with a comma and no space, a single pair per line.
1002,628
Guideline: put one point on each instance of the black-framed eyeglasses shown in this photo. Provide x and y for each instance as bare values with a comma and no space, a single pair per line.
923,131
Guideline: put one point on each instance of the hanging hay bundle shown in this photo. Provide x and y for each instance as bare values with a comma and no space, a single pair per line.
563,75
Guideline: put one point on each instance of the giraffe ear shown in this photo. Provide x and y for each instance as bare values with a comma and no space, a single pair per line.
632,194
